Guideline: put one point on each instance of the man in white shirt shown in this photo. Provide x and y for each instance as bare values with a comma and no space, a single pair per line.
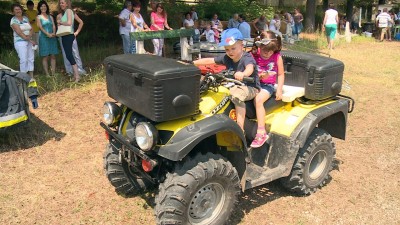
125,26
382,21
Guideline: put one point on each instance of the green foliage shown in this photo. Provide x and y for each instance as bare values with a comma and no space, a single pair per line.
5,6
176,13
88,7
6,33
99,28
224,8
109,5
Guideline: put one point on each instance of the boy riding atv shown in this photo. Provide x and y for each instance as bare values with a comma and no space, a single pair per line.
244,66
170,132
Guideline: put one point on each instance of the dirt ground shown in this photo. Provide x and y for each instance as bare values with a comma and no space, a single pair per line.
57,177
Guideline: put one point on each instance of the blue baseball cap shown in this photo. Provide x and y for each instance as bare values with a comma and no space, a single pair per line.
230,36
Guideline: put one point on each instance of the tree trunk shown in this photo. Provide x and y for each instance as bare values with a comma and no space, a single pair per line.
349,10
143,10
311,7
369,13
148,45
325,4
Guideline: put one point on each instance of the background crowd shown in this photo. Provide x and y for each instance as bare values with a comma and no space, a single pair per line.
35,30
130,20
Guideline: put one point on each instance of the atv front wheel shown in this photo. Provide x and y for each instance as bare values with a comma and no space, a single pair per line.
203,191
125,181
313,164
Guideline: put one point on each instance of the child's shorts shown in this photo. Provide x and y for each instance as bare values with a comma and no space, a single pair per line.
268,88
240,94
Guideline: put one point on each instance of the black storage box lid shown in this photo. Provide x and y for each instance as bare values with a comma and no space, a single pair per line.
151,66
318,62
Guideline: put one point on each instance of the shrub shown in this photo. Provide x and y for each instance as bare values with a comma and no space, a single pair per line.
6,32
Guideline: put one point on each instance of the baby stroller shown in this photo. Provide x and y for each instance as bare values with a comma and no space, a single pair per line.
15,89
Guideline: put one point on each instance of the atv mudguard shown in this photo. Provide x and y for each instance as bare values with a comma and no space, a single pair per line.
187,138
331,117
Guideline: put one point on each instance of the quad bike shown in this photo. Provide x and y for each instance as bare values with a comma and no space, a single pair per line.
170,131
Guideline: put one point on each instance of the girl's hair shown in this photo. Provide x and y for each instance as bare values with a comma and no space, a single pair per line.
163,13
68,5
136,4
331,6
275,43
16,5
40,5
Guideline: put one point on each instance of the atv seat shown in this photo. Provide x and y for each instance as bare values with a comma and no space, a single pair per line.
290,93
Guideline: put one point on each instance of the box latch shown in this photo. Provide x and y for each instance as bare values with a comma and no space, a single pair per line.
138,78
310,75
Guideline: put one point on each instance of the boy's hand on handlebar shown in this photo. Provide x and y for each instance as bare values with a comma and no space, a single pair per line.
239,76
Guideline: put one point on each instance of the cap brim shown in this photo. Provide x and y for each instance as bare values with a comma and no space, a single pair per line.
222,44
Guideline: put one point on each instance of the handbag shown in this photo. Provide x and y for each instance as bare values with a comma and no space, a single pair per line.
63,30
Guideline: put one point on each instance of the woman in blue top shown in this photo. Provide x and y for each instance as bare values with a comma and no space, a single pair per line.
23,43
66,18
47,37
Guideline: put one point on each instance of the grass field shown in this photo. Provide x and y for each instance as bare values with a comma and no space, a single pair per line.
51,172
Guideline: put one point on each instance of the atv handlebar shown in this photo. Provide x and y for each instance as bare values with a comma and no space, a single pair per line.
214,80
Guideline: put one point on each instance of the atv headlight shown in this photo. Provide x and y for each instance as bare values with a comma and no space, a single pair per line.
146,136
111,113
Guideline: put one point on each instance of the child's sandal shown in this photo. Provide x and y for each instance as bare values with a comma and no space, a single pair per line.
259,140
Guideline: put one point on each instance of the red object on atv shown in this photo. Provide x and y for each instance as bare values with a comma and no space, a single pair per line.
211,68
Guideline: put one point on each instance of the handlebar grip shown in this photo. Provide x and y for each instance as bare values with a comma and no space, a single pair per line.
248,79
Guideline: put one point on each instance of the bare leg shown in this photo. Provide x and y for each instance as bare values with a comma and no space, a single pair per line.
30,73
45,65
76,73
53,64
240,114
260,110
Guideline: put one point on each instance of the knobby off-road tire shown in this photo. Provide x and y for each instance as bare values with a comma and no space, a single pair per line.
203,191
126,182
312,165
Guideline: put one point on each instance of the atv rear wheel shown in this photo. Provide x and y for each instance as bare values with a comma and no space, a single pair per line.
203,191
313,164
124,179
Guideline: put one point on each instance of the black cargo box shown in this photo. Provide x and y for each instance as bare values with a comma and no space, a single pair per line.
320,76
158,88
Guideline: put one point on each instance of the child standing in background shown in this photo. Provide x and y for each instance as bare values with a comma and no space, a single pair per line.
31,13
270,65
216,34
209,34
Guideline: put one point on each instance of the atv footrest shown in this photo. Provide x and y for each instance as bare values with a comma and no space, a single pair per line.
256,175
